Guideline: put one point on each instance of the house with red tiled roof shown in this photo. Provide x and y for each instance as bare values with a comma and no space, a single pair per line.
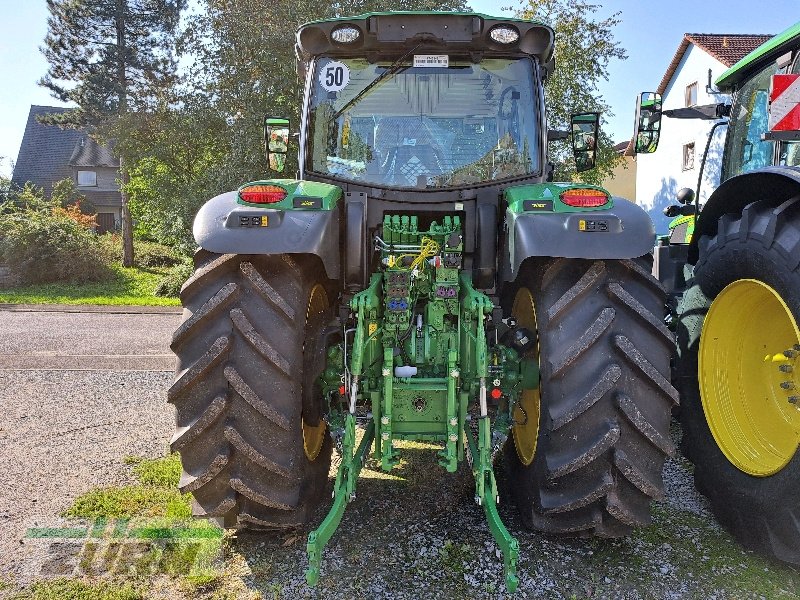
688,81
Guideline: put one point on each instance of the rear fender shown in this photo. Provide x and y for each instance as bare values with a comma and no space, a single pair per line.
622,231
225,225
776,184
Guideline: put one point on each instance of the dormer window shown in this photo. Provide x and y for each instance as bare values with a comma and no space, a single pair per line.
87,178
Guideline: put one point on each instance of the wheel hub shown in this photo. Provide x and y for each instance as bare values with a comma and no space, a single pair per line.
748,383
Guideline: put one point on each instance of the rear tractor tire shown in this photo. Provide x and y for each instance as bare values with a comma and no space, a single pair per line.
254,449
588,446
740,427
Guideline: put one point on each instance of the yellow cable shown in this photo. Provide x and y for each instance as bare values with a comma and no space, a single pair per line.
428,248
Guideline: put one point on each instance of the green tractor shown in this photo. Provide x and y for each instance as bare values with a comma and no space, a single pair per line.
734,266
423,279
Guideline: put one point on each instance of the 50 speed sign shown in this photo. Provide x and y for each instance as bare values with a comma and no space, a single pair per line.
334,76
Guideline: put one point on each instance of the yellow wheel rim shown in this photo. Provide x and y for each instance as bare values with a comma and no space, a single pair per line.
746,380
526,412
313,438
314,435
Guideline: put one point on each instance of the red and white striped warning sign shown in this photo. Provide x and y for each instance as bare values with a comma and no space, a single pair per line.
784,103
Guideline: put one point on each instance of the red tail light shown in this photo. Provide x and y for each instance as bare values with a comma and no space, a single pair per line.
262,194
583,197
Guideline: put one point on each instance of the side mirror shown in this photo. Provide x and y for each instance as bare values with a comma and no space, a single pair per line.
648,122
276,142
585,129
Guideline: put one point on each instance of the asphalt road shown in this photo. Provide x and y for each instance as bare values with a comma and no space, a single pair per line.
79,391
107,341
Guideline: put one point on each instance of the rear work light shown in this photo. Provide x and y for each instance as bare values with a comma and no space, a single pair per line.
504,34
345,35
262,194
583,198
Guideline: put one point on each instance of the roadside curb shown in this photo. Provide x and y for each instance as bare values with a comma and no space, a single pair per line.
93,308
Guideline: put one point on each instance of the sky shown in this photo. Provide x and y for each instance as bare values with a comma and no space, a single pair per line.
650,32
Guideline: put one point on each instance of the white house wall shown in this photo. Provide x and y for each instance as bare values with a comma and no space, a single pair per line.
660,175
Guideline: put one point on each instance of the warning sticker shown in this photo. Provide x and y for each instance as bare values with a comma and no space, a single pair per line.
431,60
334,76
784,103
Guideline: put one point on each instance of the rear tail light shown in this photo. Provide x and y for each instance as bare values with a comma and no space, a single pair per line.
262,194
584,198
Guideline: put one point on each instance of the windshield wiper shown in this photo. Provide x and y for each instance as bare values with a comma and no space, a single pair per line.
394,68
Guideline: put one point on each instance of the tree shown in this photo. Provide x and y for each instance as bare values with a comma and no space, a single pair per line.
5,184
112,58
175,156
246,63
65,193
584,47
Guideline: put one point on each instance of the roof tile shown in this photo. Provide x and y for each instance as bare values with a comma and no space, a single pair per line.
727,48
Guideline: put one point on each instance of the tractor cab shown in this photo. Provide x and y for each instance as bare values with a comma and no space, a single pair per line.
762,132
424,102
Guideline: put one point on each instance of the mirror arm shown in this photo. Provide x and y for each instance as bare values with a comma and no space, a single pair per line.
554,135
705,111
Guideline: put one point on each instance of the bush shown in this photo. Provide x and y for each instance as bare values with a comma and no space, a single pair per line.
170,284
152,254
145,253
73,211
47,246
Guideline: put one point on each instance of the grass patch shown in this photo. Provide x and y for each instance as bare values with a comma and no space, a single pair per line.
203,583
130,501
153,520
73,589
455,557
165,472
134,286
156,495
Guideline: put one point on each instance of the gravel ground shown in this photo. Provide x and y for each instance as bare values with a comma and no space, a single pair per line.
414,533
66,428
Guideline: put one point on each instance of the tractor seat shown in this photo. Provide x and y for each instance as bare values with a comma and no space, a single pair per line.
405,165
408,151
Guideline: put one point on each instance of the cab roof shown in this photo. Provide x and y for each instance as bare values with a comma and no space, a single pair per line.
760,58
392,33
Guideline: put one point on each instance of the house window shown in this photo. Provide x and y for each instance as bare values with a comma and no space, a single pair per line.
691,94
87,178
688,156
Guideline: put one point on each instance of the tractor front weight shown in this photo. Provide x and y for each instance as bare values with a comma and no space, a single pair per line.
424,363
